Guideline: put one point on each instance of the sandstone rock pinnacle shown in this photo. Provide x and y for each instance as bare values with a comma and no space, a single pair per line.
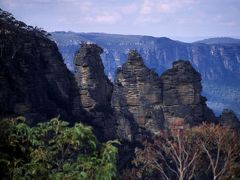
137,98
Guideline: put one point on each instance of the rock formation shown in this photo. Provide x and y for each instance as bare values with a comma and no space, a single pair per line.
229,119
137,98
218,62
35,83
143,101
95,89
182,100
34,80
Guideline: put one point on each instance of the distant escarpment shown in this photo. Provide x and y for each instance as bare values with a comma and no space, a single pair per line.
218,60
34,80
35,83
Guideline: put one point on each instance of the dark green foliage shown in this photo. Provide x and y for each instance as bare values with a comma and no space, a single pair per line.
53,150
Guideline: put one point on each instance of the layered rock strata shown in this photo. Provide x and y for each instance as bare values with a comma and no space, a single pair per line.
95,89
142,101
94,86
229,119
34,81
182,101
137,98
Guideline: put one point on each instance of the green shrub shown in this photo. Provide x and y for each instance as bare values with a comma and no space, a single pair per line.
53,150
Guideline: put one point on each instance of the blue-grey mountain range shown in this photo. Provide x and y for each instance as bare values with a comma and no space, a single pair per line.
217,59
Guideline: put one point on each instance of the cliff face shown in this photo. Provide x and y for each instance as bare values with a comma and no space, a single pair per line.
95,89
137,98
34,80
35,83
218,63
213,61
229,119
182,100
142,101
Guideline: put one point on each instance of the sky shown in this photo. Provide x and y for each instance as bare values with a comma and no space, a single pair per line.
179,19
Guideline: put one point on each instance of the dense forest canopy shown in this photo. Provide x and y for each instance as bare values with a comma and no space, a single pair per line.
53,150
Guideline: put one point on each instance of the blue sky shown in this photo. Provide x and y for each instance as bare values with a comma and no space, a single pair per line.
172,18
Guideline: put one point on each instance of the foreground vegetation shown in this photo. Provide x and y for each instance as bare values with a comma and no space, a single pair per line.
53,150
204,152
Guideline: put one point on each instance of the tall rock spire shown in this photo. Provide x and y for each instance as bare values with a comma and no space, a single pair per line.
136,98
182,100
95,87
95,90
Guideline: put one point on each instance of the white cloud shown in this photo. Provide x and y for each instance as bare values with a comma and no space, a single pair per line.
129,16
103,19
154,10
174,5
231,23
10,3
129,9
164,7
85,7
107,19
152,20
146,7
